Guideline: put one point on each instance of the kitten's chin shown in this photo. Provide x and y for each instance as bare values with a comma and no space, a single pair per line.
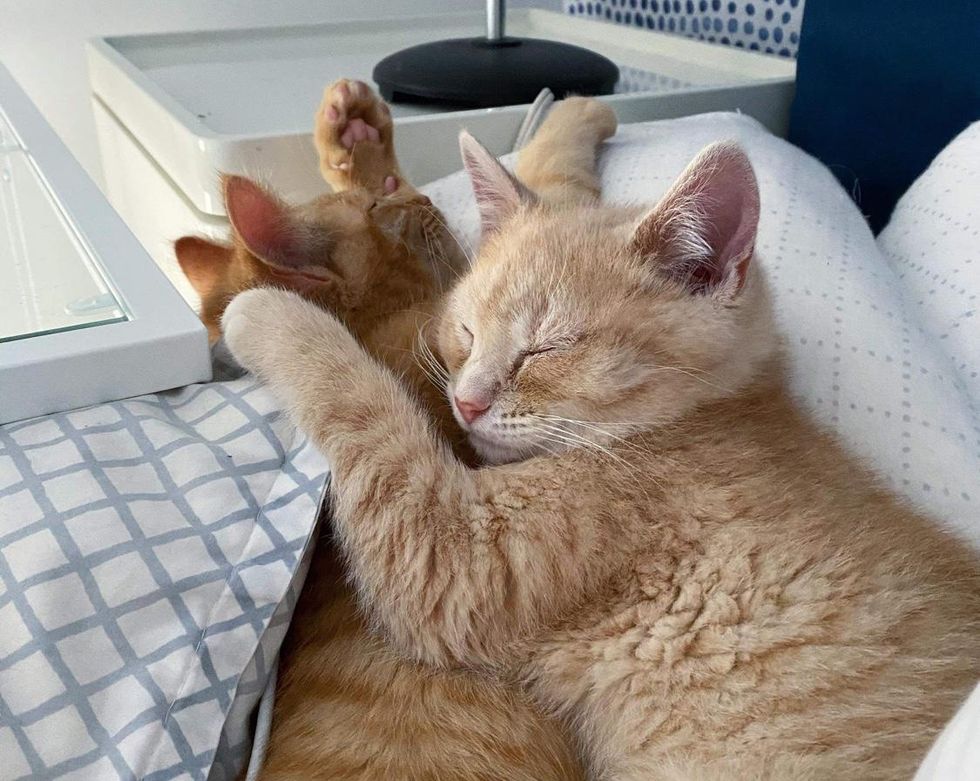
492,452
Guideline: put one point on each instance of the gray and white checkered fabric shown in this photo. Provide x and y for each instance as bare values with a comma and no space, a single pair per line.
150,554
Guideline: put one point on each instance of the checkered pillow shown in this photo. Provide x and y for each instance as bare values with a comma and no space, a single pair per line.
150,553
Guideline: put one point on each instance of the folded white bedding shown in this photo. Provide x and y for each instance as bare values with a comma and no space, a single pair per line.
932,243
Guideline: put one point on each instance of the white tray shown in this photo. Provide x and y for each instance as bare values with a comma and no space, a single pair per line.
242,101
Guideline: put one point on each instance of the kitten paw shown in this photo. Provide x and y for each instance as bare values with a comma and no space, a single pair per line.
273,333
257,322
590,115
353,116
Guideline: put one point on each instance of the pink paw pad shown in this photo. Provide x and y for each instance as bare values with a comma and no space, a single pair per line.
358,130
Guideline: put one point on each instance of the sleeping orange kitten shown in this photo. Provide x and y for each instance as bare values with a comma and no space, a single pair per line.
376,253
667,555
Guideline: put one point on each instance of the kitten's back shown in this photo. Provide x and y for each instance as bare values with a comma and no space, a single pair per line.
795,621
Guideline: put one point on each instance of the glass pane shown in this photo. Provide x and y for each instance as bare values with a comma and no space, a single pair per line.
48,279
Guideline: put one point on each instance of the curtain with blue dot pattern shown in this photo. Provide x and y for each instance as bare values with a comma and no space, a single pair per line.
770,26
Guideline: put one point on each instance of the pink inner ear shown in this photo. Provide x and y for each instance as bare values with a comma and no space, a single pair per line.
262,222
498,194
732,198
703,230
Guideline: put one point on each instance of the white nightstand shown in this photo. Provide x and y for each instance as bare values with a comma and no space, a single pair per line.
174,110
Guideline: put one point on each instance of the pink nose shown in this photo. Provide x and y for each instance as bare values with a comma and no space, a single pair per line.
470,410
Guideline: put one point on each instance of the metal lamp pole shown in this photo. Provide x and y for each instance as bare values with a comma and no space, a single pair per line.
495,20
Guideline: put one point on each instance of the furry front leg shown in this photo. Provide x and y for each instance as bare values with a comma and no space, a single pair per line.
387,463
455,564
330,386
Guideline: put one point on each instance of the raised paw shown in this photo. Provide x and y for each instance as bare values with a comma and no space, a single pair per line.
253,323
353,117
591,116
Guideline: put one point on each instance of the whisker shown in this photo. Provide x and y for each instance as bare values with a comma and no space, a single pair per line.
597,428
427,363
690,372
430,357
563,435
433,379
468,252
625,442
436,251
575,438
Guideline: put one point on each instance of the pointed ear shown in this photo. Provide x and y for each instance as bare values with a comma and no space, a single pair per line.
702,233
270,229
498,193
203,262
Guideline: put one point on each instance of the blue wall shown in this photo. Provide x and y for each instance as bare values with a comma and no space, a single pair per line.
882,87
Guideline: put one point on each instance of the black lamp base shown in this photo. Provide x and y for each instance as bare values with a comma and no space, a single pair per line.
480,73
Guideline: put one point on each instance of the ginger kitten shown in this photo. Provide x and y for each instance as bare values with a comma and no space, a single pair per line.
378,255
667,555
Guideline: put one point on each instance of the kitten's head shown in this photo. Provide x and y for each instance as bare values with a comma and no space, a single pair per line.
581,326
353,247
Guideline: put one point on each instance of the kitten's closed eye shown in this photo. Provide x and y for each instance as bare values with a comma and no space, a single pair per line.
542,350
537,351
525,355
553,345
